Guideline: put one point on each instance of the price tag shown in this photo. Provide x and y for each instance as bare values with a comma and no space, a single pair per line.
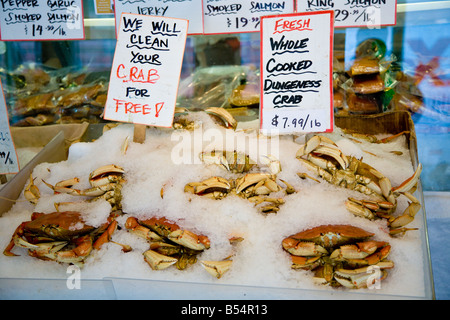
296,72
355,13
146,70
8,156
41,20
235,16
184,9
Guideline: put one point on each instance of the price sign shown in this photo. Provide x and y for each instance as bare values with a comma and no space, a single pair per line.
8,156
184,9
146,70
296,72
231,16
355,13
41,20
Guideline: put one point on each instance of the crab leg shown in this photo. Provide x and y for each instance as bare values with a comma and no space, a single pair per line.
106,236
92,192
409,183
305,263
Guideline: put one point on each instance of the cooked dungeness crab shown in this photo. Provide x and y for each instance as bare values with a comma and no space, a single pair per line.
106,183
60,236
339,255
254,186
323,156
169,244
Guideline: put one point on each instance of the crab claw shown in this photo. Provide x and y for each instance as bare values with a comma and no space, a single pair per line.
272,163
216,187
301,248
158,261
189,239
217,268
224,115
323,145
363,277
32,192
105,174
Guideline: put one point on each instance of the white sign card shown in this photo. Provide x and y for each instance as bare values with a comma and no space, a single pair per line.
355,13
183,9
235,16
41,20
146,70
8,156
296,72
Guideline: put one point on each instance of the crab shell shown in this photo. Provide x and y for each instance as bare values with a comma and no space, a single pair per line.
58,225
328,236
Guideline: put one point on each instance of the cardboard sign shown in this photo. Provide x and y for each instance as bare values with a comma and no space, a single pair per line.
146,70
8,156
184,9
296,72
236,16
41,20
355,13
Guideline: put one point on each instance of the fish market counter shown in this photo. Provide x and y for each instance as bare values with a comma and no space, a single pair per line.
159,181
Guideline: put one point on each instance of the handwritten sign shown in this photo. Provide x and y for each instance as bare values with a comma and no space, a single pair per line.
355,13
8,156
232,16
41,20
184,9
146,70
296,72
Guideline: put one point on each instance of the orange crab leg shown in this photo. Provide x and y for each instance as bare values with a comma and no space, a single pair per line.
106,236
83,249
385,140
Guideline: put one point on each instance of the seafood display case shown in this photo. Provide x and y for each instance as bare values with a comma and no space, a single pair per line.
390,110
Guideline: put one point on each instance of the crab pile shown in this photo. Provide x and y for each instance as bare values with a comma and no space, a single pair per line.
253,186
63,236
321,155
339,255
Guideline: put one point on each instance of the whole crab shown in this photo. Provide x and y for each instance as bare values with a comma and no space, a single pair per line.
340,255
60,236
169,244
254,186
323,156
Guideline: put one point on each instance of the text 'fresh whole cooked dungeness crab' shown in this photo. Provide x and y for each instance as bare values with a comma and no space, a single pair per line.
339,255
323,156
60,236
